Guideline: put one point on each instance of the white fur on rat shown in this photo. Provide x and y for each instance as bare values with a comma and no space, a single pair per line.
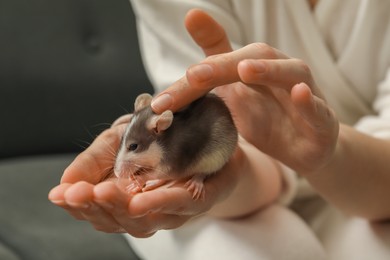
192,143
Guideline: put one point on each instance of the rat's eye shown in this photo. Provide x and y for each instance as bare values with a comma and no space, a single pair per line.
133,147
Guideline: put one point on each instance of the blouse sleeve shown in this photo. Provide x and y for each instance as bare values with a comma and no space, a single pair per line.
378,125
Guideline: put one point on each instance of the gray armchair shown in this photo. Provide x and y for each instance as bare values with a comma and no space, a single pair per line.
68,68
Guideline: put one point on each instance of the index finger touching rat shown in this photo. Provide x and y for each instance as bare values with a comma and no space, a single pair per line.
214,71
177,96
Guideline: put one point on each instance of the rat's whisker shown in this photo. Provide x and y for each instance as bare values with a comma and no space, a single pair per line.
126,111
82,143
112,150
106,173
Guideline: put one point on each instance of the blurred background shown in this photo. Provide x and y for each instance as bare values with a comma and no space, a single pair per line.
68,68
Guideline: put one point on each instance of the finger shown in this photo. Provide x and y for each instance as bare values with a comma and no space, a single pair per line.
215,71
207,33
96,162
101,220
175,97
173,200
282,73
148,225
116,202
314,110
112,199
153,222
56,196
80,197
221,69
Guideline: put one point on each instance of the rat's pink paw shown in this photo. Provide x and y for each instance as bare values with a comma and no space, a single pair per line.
133,188
196,187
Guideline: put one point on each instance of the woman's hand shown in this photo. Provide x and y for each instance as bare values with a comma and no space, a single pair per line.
273,98
88,194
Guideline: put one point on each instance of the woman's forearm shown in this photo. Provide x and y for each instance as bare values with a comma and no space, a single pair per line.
357,179
259,184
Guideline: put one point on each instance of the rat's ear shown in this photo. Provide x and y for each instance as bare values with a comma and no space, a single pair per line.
160,123
142,101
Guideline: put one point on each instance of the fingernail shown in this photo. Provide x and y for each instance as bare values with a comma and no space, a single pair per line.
202,72
133,188
58,202
162,102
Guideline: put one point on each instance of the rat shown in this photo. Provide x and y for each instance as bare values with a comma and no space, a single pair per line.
192,143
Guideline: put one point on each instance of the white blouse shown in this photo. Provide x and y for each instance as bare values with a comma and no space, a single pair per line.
346,44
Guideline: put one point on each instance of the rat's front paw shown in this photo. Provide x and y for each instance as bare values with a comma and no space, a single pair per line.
196,187
133,188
